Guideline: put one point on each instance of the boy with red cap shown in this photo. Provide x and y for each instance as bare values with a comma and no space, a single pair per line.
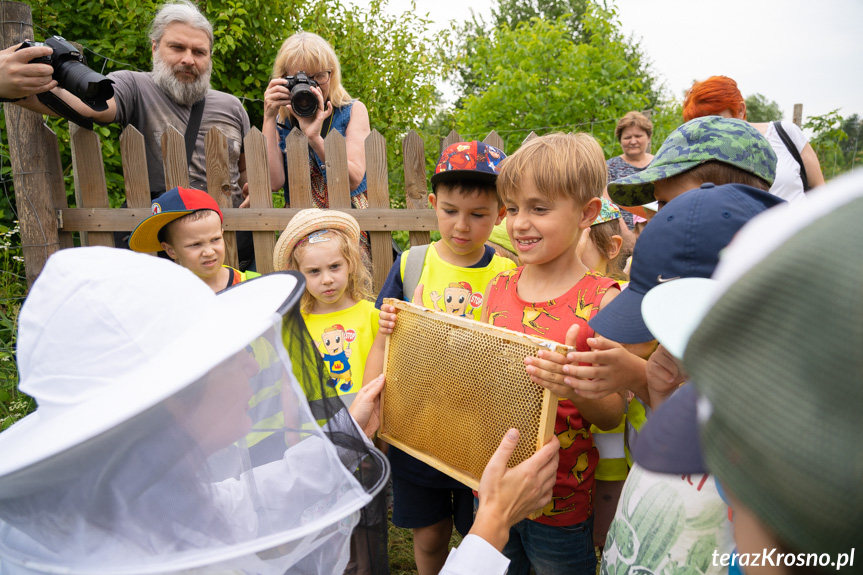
185,226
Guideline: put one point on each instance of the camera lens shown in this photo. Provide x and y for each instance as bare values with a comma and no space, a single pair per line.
304,102
91,87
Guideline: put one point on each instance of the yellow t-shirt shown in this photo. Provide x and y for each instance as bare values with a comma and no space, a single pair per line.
344,339
454,289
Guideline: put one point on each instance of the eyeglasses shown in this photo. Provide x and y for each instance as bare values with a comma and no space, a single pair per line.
322,77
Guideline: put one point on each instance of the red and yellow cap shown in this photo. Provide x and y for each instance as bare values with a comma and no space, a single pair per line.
171,205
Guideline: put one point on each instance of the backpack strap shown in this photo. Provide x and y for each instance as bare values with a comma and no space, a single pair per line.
792,149
192,129
416,257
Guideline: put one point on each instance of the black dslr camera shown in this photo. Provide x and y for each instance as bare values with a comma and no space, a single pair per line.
304,102
91,87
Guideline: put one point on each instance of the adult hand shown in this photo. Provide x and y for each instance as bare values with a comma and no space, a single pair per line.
246,201
311,125
366,407
506,496
19,78
275,96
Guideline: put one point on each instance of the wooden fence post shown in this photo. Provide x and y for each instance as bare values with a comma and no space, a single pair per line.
797,118
135,177
219,185
416,189
260,196
91,190
338,186
298,176
29,155
54,169
379,197
451,138
174,159
493,139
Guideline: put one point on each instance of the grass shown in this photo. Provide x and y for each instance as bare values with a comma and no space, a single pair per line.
401,550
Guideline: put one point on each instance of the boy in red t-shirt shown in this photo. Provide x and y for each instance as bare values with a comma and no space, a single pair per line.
551,188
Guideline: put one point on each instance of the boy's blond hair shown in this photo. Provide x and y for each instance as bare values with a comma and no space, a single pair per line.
561,165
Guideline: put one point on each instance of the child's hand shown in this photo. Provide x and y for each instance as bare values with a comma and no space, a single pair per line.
387,317
664,375
547,369
612,369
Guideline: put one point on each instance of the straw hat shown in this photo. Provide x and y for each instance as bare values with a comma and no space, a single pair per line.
307,222
147,356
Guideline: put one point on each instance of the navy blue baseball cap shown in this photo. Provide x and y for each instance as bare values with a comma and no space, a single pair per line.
668,442
683,240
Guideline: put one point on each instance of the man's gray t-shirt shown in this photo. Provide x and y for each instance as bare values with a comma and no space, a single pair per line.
141,103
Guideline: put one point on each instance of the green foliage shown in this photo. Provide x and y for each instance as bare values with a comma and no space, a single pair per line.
760,109
534,77
13,404
835,142
386,62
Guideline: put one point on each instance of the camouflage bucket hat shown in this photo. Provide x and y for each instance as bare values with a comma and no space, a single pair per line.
699,140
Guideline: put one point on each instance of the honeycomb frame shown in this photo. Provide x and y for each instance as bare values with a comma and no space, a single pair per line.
436,366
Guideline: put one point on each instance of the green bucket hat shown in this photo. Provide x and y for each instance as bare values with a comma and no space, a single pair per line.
699,140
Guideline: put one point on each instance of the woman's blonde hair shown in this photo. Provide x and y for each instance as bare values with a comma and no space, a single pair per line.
359,279
310,53
561,165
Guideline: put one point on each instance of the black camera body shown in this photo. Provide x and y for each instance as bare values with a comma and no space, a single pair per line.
72,74
304,102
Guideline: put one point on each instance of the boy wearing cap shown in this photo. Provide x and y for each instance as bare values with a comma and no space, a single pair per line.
453,273
708,149
780,428
185,226
684,240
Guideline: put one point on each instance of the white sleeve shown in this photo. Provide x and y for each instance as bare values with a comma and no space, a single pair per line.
475,556
795,133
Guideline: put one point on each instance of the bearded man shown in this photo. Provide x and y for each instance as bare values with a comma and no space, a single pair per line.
182,42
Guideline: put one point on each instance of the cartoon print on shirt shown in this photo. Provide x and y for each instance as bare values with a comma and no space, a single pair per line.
336,351
456,298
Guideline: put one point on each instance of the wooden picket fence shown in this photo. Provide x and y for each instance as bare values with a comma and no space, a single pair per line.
96,221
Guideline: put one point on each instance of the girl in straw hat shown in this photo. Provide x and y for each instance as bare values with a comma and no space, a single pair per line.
324,245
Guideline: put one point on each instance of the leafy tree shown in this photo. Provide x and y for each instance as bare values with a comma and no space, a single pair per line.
826,142
760,109
534,77
569,14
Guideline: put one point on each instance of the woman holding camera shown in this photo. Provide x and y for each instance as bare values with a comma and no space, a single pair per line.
308,67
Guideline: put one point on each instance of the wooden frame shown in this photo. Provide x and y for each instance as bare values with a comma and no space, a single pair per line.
511,381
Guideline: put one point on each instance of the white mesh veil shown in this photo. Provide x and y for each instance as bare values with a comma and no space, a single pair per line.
256,467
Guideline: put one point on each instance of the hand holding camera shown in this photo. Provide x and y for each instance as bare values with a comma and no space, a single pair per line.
303,97
19,78
72,74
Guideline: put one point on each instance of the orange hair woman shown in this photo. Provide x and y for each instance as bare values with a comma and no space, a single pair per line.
719,96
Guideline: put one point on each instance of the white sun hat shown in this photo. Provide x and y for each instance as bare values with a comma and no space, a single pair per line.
173,430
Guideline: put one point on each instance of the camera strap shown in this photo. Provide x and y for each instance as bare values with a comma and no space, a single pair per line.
192,129
64,110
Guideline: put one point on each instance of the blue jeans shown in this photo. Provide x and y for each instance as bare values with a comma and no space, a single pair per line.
551,550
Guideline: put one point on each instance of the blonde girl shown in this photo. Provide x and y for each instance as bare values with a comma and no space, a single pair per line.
323,245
